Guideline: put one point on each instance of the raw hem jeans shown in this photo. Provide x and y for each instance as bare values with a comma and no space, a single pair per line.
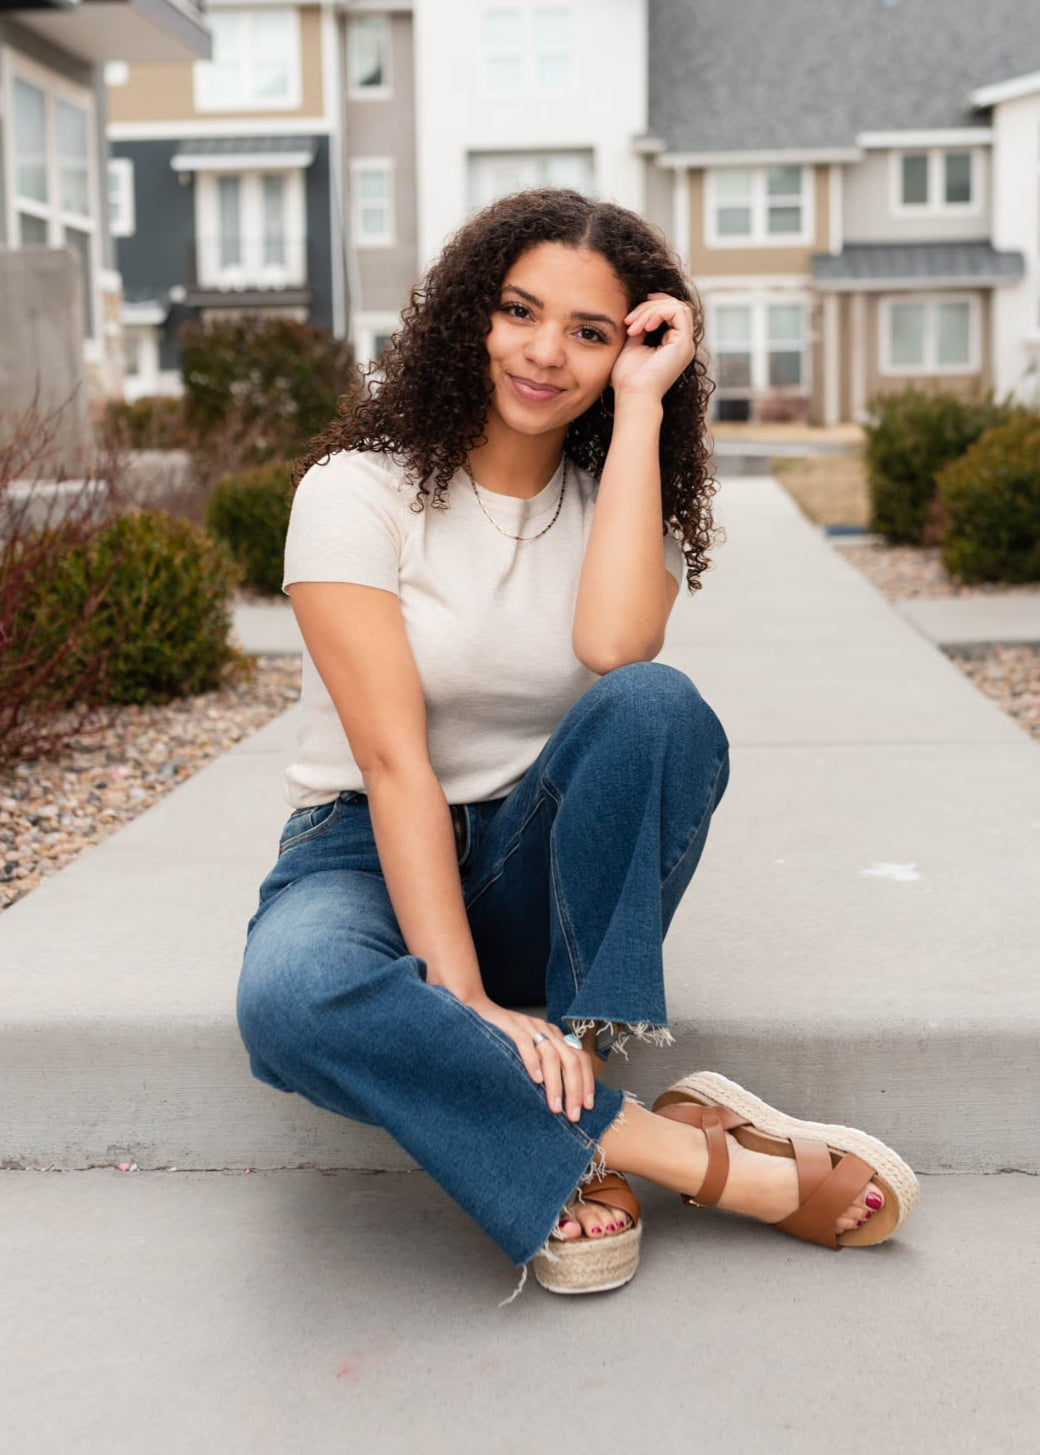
570,883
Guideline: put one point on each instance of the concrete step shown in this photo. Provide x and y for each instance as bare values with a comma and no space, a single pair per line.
301,1313
858,945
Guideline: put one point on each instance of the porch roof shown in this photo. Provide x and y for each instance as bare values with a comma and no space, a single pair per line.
862,266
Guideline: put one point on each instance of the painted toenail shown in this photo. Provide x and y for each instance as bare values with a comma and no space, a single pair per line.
595,1230
861,1222
873,1200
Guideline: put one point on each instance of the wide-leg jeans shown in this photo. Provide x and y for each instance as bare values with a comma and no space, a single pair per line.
570,883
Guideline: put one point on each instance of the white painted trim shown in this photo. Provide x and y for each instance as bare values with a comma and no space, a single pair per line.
365,326
758,339
330,91
1011,90
836,208
793,156
951,136
681,214
388,165
241,161
369,93
217,128
758,237
755,282
831,360
251,272
930,366
647,146
936,184
125,223
858,358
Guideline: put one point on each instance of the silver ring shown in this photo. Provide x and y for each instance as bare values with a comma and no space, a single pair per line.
541,1036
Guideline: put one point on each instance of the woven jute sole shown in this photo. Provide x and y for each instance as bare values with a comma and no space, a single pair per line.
588,1265
771,1128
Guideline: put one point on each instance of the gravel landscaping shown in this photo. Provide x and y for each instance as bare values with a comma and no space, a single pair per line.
52,809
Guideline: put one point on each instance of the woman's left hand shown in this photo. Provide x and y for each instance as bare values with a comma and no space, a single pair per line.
652,371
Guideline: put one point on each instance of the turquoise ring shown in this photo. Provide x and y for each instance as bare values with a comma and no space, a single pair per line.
573,1040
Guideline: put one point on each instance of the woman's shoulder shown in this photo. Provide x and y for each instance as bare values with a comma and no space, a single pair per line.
375,471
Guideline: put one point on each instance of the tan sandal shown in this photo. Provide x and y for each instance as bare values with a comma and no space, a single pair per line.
835,1163
594,1265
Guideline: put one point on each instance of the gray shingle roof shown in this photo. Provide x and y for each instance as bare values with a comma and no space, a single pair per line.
962,262
774,74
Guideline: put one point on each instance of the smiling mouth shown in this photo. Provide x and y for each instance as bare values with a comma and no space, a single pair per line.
536,393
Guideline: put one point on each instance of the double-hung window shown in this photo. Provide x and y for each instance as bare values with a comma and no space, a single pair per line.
528,50
368,56
758,206
935,181
53,156
372,201
929,335
757,346
255,64
251,230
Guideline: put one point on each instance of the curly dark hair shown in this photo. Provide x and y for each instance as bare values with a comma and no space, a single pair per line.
430,409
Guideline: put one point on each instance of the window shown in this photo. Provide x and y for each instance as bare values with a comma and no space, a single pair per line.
758,206
494,174
52,150
757,345
256,62
251,229
528,50
122,219
929,336
372,199
368,55
934,180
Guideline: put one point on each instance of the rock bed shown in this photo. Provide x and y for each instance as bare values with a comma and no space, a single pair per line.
52,809
1010,675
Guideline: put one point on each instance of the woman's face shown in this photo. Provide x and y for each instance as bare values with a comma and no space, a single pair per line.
554,336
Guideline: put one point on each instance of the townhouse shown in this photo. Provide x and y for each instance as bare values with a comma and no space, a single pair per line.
854,187
53,151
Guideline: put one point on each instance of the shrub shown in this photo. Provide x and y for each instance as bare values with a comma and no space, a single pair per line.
163,621
910,437
155,422
991,501
250,512
278,378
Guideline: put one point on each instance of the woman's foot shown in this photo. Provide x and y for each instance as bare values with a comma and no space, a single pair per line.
591,1220
675,1155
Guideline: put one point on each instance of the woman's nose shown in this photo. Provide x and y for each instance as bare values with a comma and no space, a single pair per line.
546,346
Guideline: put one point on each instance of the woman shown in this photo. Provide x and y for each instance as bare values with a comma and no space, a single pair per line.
484,665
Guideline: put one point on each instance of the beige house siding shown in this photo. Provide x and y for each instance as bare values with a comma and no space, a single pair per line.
167,93
817,401
742,262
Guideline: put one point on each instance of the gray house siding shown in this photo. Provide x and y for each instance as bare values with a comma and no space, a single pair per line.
319,241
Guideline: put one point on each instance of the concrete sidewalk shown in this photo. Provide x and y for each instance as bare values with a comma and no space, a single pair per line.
862,928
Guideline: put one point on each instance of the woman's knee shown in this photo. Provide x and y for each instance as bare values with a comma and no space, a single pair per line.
660,696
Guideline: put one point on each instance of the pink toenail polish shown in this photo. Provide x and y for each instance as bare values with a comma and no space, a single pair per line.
861,1222
595,1230
873,1200
610,1227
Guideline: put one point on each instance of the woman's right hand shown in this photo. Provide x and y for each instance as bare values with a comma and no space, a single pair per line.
565,1070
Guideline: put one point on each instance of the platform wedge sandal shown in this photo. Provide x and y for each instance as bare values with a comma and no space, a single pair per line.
594,1265
835,1163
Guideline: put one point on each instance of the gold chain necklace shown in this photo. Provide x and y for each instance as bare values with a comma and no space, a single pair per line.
559,503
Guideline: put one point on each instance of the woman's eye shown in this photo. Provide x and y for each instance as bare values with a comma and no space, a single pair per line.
507,306
596,335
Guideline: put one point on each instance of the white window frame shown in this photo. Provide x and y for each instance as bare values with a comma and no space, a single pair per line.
251,271
528,54
55,88
759,305
929,367
366,327
355,91
122,211
387,167
532,164
758,237
935,205
202,71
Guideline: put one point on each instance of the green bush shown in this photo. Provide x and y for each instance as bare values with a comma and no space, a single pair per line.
250,512
910,437
274,377
154,422
991,502
162,624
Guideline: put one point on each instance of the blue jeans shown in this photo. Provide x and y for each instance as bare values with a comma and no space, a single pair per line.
570,883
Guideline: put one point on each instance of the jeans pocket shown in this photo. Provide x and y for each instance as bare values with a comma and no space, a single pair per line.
310,823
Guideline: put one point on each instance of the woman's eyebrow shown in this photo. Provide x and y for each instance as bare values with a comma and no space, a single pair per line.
585,317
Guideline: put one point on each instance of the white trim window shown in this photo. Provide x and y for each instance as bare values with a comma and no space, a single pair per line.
52,166
758,345
758,207
372,202
251,229
371,333
528,50
935,182
255,64
495,174
368,57
121,210
929,335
